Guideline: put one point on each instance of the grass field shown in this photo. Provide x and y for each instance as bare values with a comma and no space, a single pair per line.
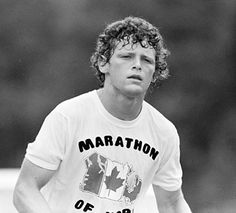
8,179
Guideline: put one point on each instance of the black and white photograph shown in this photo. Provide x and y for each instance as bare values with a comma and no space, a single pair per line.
117,106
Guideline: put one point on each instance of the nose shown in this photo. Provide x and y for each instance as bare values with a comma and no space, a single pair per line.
137,64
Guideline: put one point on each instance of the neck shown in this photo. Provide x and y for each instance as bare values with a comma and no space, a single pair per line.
120,105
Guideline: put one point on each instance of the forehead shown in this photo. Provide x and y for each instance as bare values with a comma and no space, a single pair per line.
129,46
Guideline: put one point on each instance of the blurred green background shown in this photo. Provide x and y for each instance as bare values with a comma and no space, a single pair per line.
45,48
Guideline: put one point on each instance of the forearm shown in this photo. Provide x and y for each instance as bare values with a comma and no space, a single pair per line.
179,206
182,207
29,200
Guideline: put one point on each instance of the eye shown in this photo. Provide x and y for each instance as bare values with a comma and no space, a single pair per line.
149,61
125,56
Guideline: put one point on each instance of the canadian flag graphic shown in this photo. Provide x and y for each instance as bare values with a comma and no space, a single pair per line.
110,179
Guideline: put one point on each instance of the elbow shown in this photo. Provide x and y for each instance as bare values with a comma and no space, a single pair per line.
18,196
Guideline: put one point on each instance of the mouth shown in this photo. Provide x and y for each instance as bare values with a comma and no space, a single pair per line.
135,77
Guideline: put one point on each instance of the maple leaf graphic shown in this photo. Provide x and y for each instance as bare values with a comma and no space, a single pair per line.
112,182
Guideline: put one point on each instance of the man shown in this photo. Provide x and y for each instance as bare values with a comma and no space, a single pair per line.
100,151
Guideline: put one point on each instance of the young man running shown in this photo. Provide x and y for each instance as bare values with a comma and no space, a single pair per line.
100,151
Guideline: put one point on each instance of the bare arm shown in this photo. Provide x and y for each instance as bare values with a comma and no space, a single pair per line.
170,201
27,197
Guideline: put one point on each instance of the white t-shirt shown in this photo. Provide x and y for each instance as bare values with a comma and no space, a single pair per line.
104,164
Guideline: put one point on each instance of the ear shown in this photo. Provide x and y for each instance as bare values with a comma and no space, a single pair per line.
154,77
103,65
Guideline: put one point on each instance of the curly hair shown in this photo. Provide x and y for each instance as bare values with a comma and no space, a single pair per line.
139,30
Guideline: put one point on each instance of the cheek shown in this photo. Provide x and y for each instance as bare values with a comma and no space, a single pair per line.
150,73
118,70
115,73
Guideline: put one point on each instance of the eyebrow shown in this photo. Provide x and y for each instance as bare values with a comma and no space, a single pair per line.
132,53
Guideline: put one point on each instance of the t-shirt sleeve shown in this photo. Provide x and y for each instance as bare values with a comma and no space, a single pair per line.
169,174
48,149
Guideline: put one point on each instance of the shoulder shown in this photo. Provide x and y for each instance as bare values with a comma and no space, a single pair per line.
164,130
76,105
161,123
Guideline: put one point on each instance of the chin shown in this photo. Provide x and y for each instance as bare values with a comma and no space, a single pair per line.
134,92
